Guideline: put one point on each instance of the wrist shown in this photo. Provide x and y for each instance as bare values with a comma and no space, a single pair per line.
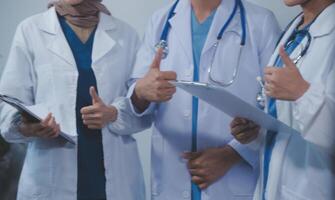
139,101
231,154
303,89
112,113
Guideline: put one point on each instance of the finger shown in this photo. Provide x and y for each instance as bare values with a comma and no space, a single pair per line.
191,155
94,127
238,121
94,95
88,110
92,122
286,58
198,180
197,172
156,63
165,85
46,120
44,133
203,186
248,136
168,75
270,70
243,128
95,116
56,131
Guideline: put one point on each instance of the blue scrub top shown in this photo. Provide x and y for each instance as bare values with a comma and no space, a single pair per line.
91,171
199,36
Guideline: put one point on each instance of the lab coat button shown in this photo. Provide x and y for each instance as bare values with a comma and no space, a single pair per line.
186,194
187,114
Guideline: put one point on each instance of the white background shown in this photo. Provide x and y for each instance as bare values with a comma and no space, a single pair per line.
135,12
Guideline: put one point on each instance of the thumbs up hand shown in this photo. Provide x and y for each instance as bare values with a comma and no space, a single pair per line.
98,115
155,86
285,83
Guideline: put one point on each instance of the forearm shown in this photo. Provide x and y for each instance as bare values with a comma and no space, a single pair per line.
127,122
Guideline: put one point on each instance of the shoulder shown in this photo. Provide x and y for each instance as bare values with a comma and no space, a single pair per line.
257,12
122,28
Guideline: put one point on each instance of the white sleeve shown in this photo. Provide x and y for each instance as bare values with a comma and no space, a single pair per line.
317,105
129,121
17,81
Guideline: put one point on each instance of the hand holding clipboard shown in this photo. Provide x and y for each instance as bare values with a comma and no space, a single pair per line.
34,125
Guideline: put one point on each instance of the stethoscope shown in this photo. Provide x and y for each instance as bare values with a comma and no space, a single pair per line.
261,96
238,5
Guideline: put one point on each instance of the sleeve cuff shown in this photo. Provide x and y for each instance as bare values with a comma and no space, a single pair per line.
249,155
134,110
305,107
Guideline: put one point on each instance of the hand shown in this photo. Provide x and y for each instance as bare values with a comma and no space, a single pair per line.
244,130
285,83
98,114
48,128
155,86
206,167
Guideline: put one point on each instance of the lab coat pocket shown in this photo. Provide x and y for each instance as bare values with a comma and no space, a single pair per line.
37,171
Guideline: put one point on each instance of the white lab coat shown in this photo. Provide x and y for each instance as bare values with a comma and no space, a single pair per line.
301,166
41,71
172,121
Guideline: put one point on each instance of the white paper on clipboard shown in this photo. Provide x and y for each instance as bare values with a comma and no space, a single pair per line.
233,105
32,111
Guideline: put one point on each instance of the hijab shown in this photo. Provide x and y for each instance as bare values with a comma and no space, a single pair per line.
84,14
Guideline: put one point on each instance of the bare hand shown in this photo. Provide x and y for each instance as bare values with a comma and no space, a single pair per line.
244,130
48,128
98,115
155,86
208,166
285,83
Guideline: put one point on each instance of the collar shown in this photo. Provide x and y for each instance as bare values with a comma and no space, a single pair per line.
49,22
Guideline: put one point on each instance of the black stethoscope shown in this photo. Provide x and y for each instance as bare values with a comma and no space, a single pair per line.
261,96
162,44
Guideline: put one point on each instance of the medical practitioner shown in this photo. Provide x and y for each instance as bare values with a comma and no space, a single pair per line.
73,61
231,38
300,83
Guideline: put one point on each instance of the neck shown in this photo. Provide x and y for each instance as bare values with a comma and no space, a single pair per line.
203,8
312,8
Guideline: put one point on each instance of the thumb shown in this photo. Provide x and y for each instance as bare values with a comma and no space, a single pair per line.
94,95
156,63
286,58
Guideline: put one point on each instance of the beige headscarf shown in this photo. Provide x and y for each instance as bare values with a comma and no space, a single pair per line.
84,14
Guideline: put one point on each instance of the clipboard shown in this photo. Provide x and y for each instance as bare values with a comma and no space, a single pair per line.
24,109
233,105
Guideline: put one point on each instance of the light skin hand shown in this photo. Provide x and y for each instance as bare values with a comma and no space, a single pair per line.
208,166
244,130
48,128
98,115
155,86
285,83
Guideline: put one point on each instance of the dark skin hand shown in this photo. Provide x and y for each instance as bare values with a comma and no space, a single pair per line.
208,166
48,128
244,130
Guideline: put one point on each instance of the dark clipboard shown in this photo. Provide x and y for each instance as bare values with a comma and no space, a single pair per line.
23,109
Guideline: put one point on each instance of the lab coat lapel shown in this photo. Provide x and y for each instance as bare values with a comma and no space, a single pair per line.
57,43
181,26
221,16
324,24
103,42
